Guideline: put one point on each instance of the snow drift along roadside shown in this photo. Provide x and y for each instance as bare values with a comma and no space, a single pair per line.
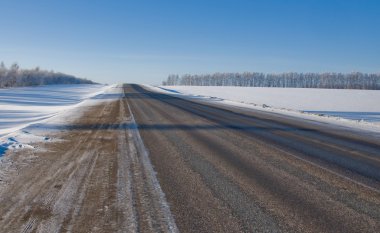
358,109
24,110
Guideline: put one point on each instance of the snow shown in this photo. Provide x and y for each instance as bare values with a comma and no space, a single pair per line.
355,108
25,111
138,149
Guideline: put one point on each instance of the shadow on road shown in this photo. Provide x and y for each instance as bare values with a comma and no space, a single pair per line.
167,127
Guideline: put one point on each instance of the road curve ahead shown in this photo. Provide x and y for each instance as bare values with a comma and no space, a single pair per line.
236,170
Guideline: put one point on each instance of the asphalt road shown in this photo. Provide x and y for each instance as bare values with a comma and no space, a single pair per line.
226,169
95,177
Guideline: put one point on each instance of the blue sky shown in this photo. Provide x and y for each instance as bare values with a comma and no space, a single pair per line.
144,41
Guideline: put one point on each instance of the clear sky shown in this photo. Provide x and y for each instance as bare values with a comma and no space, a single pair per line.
143,41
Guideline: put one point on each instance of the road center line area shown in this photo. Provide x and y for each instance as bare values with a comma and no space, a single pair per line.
151,162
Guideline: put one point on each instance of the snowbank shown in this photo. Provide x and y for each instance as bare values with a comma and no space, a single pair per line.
358,108
23,111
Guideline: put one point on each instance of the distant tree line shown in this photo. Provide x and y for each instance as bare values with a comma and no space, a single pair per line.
16,77
298,80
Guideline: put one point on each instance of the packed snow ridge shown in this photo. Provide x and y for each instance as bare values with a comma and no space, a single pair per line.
23,109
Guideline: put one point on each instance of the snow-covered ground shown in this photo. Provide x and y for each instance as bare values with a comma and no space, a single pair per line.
24,110
358,108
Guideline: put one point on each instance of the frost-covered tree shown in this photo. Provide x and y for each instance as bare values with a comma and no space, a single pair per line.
298,80
16,77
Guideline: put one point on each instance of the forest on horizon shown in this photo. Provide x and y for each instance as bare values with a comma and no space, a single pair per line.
355,80
14,76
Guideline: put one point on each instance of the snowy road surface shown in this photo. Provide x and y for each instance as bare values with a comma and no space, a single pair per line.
151,162
96,178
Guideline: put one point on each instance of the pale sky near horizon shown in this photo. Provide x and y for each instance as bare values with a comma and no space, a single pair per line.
144,41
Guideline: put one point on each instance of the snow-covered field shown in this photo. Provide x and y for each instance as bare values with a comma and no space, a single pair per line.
21,108
356,107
